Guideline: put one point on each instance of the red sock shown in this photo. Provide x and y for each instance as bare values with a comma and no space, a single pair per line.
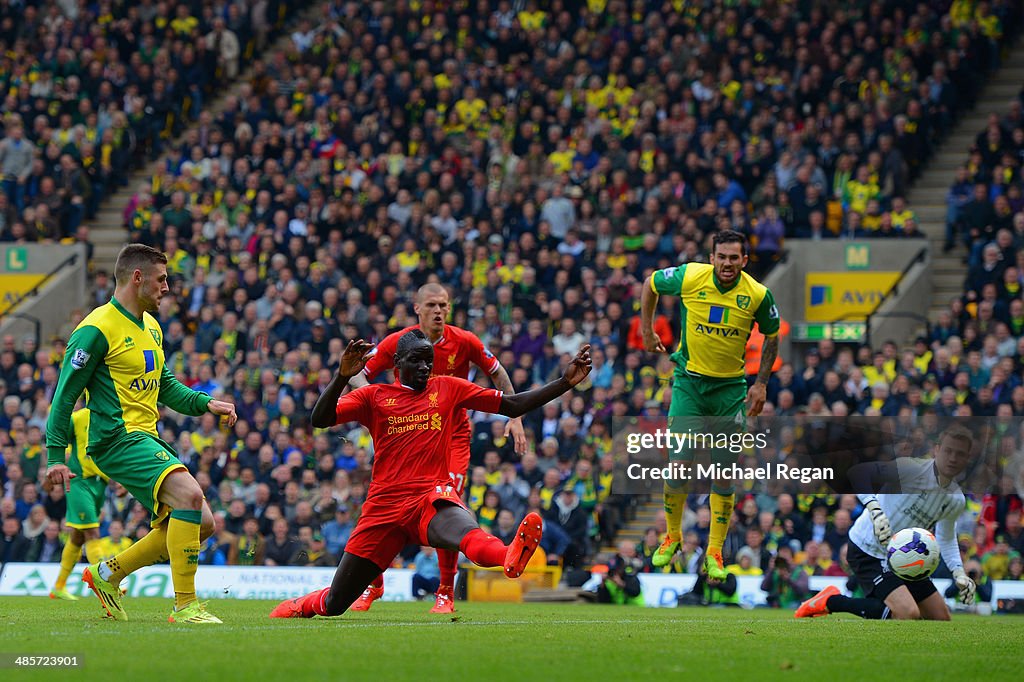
483,549
315,603
378,582
448,562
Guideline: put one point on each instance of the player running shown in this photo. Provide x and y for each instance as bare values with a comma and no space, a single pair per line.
455,350
116,355
720,304
929,498
84,501
411,499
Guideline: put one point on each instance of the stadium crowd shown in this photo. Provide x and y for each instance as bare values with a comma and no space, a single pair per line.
93,90
538,163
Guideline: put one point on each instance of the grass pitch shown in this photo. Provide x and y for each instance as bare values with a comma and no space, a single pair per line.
489,642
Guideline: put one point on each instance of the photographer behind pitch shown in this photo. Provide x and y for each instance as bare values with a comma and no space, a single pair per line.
786,582
710,592
621,585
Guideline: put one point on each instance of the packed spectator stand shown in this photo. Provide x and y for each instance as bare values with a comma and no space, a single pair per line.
538,160
92,91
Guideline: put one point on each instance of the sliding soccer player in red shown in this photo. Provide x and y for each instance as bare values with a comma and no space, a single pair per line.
411,499
455,350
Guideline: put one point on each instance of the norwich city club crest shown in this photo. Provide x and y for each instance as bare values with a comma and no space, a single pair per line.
163,456
743,302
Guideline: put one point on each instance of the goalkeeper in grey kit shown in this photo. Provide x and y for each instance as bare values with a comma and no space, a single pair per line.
928,497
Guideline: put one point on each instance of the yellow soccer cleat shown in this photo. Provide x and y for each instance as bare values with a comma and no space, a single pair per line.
666,550
714,567
62,593
194,613
109,596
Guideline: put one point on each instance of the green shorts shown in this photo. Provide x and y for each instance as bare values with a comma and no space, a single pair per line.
704,404
140,462
85,498
697,396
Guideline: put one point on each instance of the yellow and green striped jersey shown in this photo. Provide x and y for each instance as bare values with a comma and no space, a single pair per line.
119,360
716,322
79,461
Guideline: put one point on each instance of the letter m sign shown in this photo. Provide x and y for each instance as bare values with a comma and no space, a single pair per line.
858,257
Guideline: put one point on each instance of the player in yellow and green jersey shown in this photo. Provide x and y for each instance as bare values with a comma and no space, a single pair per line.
84,500
116,356
720,304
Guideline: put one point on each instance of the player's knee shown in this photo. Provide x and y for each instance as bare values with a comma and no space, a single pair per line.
194,499
906,612
675,487
723,488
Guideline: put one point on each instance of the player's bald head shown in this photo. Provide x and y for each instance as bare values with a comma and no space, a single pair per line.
432,307
430,289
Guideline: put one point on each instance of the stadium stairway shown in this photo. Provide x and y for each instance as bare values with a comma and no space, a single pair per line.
633,530
927,197
108,232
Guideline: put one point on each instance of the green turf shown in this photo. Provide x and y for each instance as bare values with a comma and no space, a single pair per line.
488,642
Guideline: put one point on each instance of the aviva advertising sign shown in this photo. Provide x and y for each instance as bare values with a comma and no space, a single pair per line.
850,296
14,287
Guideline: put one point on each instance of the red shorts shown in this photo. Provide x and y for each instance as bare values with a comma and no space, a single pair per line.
458,457
390,522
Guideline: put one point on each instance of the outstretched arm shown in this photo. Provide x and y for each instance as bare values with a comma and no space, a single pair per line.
521,403
183,399
503,383
324,413
180,397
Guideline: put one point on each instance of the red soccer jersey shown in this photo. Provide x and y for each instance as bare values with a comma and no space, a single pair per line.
453,353
412,431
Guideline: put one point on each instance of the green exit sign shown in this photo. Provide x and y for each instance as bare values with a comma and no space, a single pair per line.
17,259
837,331
813,332
848,331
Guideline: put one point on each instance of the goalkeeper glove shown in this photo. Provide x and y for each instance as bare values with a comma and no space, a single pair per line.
965,585
883,531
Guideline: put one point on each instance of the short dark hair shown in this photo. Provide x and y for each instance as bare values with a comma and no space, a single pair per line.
729,237
133,257
409,340
961,433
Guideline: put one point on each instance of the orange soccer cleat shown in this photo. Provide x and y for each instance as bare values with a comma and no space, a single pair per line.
524,544
816,605
445,602
289,608
366,599
306,606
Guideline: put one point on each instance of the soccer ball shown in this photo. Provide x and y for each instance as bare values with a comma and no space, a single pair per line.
913,554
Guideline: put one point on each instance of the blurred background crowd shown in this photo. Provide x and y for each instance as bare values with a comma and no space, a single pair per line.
537,159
